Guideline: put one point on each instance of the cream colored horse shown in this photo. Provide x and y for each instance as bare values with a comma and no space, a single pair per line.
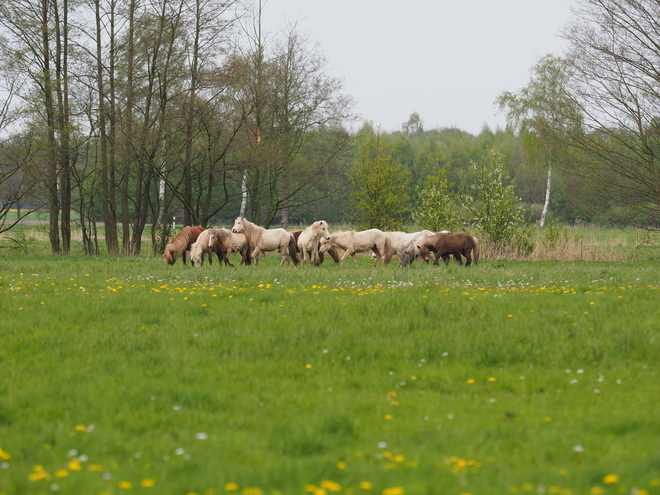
308,241
261,239
358,242
200,248
227,242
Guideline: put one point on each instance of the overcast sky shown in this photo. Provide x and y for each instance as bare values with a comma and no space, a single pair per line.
447,60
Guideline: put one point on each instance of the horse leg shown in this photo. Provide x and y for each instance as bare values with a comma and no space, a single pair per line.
377,256
227,254
255,255
468,257
459,259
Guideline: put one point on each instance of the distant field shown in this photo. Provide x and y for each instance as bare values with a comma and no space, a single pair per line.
123,375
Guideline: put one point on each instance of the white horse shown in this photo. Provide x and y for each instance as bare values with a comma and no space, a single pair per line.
201,247
412,251
308,241
261,239
357,242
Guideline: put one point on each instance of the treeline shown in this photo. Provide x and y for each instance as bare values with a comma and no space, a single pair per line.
132,114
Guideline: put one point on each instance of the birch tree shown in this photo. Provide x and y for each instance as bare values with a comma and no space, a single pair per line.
538,111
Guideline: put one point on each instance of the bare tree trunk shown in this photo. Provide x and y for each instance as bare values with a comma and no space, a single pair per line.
51,175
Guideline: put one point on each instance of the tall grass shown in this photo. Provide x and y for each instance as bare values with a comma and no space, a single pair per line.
507,377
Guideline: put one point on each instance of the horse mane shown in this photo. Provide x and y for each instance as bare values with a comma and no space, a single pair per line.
181,243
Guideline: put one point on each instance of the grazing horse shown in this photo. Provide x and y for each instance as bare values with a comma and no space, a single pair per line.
227,242
410,252
201,247
261,239
308,241
461,244
181,243
399,241
357,242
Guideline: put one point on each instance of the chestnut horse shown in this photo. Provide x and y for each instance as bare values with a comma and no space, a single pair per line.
181,243
461,244
411,251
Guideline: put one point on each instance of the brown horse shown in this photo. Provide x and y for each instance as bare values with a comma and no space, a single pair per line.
181,243
443,245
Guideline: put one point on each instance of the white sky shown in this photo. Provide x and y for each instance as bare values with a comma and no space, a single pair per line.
447,60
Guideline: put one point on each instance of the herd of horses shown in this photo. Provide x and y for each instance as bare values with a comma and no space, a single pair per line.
313,243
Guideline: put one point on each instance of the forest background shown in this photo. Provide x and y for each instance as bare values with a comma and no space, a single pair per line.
124,119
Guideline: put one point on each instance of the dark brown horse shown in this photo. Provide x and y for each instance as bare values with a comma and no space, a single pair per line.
181,243
443,245
332,251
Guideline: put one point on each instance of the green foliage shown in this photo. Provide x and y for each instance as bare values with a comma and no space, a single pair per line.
438,205
379,185
494,205
553,233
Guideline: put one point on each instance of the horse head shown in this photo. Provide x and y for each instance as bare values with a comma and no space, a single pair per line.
324,244
322,228
239,226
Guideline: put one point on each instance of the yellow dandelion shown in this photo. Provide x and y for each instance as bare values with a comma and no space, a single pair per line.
388,416
308,366
341,465
39,474
655,482
252,491
231,486
74,465
4,456
310,488
399,458
596,490
366,485
611,479
491,378
469,380
642,492
96,467
61,473
331,486
527,487
397,490
80,428
125,485
147,483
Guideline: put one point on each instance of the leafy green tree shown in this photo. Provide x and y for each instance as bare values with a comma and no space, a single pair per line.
438,206
493,202
539,110
378,186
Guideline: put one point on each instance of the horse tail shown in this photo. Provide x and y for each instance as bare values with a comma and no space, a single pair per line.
475,250
293,249
389,252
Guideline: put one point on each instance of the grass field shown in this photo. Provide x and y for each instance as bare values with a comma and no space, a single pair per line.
127,376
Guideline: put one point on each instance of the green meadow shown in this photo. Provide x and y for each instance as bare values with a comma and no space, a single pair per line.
123,375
